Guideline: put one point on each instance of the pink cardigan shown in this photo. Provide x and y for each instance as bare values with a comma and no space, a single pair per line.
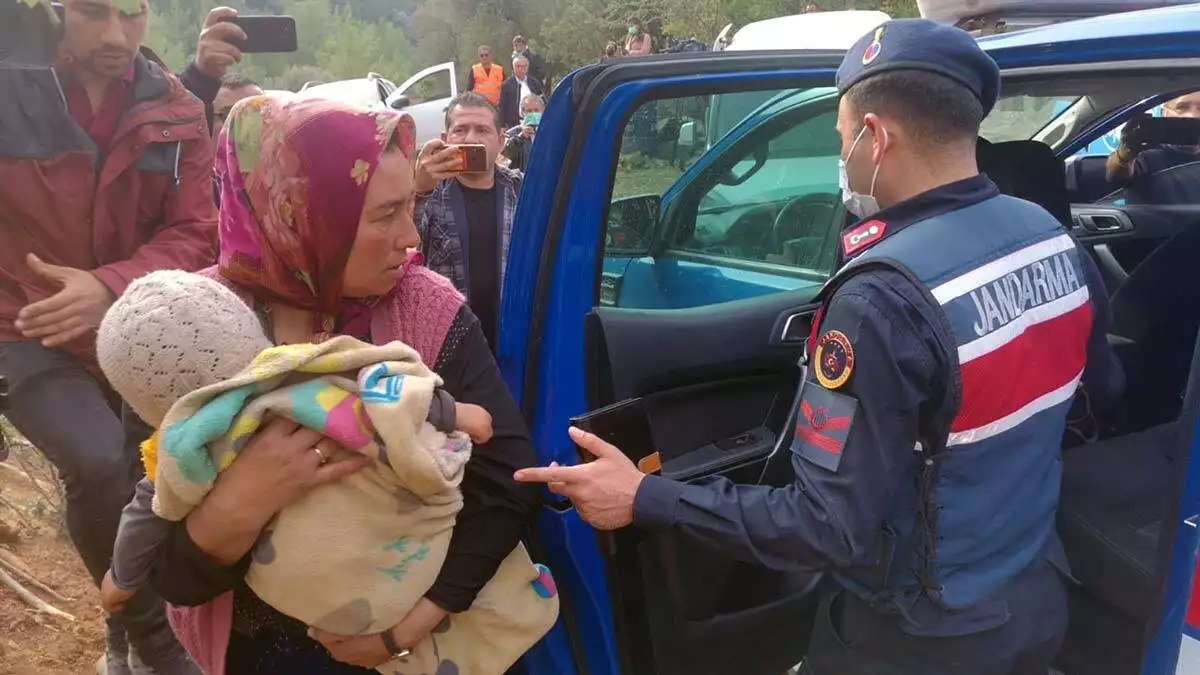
418,312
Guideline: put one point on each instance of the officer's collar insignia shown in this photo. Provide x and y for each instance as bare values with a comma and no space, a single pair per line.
873,49
834,360
863,236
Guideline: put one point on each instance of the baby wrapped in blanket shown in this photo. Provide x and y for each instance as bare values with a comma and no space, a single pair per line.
352,557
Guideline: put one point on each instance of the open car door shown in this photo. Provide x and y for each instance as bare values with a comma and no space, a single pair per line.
615,202
426,96
718,380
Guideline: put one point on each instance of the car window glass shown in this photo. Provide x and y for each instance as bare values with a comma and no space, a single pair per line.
718,198
432,87
1018,118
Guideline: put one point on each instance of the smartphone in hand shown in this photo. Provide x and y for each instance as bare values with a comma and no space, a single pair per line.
473,158
266,34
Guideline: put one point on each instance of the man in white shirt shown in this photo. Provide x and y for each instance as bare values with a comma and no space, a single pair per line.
516,89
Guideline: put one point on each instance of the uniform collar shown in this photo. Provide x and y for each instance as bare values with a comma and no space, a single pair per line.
935,202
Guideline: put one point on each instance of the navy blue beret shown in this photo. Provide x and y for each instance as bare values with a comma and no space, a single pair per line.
920,44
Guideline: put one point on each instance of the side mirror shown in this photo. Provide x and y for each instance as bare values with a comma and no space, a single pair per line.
631,225
401,102
687,134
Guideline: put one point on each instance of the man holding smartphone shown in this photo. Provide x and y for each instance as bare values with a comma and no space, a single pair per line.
108,180
1139,154
465,216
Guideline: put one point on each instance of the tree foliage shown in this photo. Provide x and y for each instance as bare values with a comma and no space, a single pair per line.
350,38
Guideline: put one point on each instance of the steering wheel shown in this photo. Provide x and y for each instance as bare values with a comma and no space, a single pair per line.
804,217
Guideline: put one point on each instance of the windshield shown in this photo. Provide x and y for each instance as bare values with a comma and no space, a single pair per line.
1019,118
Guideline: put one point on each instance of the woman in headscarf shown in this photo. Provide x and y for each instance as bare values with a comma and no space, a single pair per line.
317,234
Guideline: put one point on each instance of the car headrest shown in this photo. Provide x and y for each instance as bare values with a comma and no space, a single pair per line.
1028,170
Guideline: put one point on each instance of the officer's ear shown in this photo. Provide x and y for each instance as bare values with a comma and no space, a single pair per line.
878,135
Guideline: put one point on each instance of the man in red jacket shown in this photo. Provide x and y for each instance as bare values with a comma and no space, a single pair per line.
106,180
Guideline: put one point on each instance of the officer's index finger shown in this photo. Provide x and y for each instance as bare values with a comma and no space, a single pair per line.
548,474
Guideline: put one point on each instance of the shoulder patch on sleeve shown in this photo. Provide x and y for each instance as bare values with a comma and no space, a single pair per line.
823,425
834,359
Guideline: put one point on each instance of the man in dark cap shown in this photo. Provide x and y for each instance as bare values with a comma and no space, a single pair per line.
942,362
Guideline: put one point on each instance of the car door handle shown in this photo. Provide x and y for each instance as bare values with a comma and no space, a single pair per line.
792,327
1102,221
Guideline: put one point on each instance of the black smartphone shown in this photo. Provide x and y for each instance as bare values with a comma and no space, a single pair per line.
623,424
267,34
1174,130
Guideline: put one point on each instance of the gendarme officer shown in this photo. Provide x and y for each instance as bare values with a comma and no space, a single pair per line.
942,364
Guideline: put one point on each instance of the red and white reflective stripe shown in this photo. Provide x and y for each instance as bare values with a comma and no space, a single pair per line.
1045,402
1028,344
1015,328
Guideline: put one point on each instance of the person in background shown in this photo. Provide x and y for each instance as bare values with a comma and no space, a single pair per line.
465,219
537,65
812,8
234,87
516,89
216,52
638,42
1138,155
486,78
66,252
519,139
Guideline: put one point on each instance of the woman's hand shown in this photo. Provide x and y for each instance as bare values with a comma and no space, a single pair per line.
281,464
368,651
364,651
419,624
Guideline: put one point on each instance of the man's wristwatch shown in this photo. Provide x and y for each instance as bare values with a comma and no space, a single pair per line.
393,648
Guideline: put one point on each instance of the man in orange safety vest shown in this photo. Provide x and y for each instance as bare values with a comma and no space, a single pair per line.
486,78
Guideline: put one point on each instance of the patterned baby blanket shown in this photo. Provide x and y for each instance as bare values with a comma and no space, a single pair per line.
355,556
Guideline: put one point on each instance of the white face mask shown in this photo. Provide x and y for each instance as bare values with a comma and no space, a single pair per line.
862,206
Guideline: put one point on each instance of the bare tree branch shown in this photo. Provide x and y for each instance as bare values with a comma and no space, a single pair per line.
31,599
29,579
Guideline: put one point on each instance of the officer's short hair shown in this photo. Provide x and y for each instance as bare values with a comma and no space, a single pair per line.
470,99
933,108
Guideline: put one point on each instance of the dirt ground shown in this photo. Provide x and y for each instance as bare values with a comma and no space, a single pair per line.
33,642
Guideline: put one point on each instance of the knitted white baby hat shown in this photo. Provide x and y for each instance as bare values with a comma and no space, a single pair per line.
171,333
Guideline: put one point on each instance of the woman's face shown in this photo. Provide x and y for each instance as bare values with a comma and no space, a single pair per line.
386,230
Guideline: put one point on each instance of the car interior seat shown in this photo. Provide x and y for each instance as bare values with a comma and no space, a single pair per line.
1029,170
1117,514
1158,308
1118,518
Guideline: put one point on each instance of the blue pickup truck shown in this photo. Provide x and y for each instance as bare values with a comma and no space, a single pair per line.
652,263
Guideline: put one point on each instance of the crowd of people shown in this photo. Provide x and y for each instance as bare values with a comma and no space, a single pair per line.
205,176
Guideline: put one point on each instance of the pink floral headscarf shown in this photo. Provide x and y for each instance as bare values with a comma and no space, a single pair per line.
294,176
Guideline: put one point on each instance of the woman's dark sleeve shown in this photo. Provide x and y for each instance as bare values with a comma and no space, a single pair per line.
496,509
184,575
